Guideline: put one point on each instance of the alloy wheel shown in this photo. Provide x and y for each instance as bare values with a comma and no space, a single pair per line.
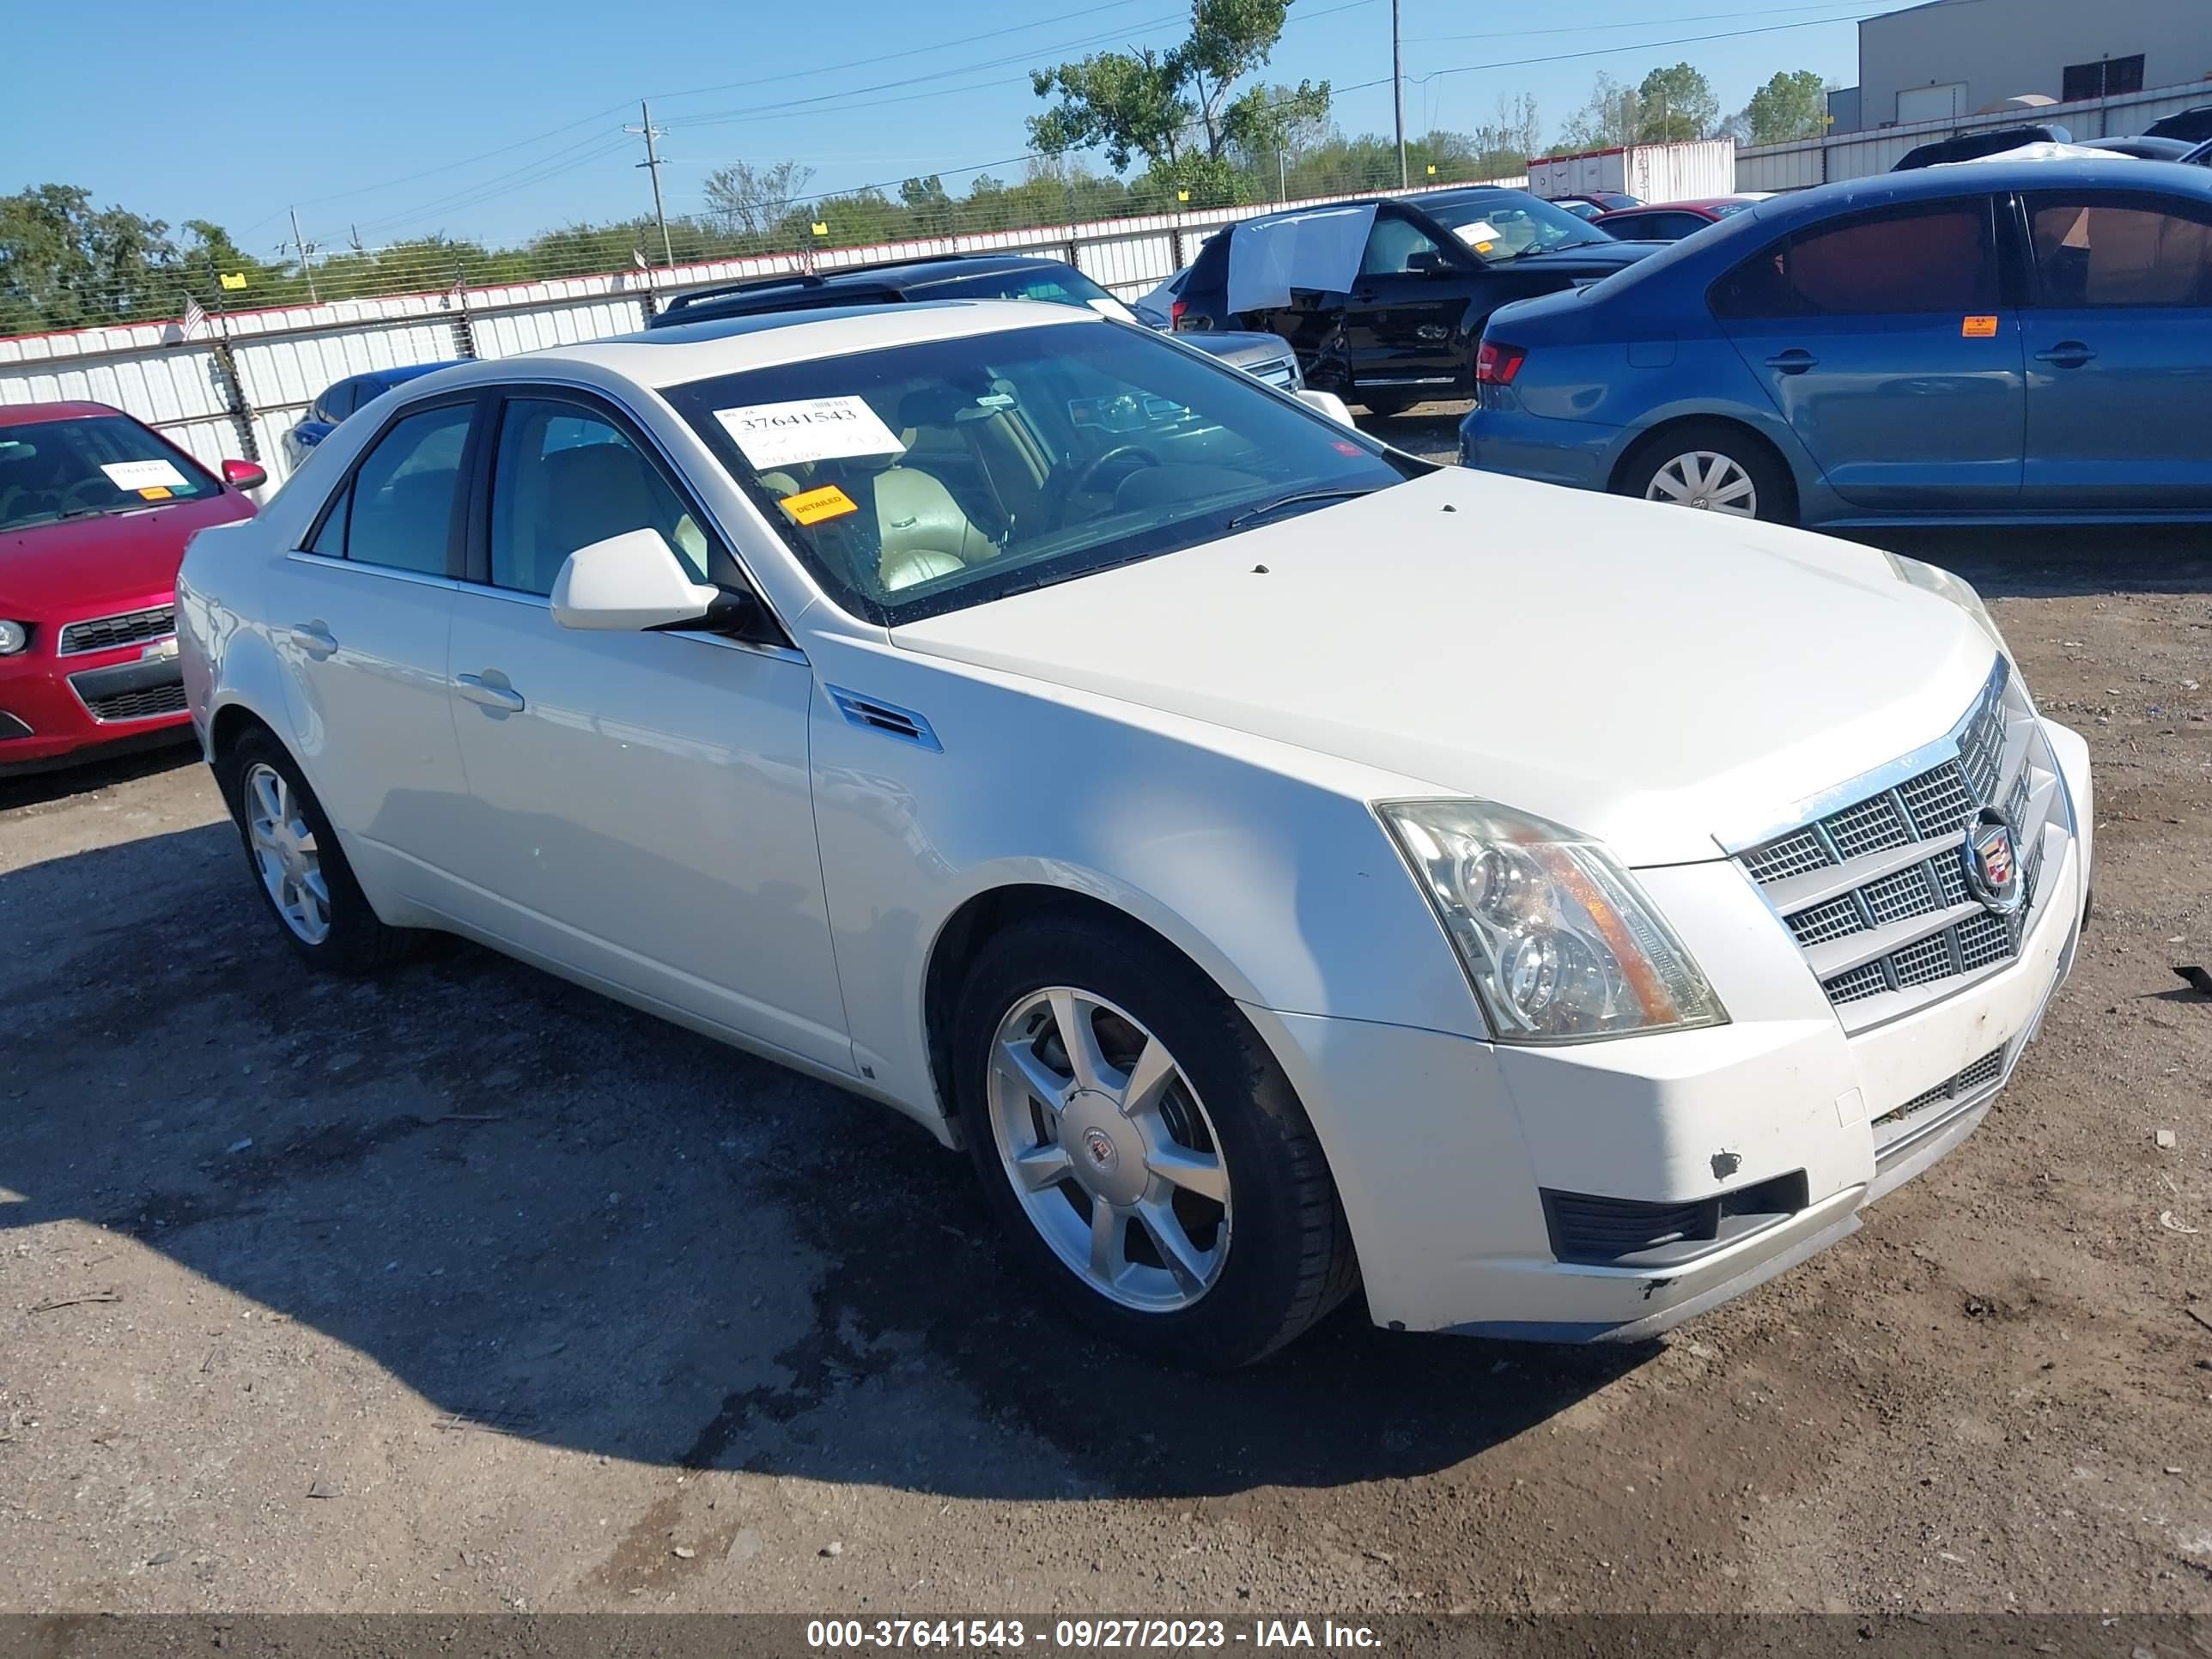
1707,480
1108,1150
285,852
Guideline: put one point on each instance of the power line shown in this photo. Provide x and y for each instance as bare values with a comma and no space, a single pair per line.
1644,23
910,52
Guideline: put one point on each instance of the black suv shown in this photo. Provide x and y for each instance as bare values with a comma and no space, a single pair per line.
959,276
1395,320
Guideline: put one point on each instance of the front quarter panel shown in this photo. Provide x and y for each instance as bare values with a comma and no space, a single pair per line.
1263,865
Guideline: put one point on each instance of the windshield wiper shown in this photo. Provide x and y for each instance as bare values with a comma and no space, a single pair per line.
1342,494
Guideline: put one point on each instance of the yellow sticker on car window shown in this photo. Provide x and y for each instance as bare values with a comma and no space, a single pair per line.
1979,328
156,493
813,506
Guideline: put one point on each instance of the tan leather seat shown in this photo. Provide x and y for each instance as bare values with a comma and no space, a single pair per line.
924,532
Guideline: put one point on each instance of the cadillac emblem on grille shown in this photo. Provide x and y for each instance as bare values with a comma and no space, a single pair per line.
1992,860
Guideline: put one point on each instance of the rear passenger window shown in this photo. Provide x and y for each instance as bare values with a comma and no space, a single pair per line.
2119,253
564,478
398,510
1938,259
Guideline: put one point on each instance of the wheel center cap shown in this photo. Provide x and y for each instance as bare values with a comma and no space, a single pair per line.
1102,1148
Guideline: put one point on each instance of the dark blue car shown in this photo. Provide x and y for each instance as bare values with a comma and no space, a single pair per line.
2002,341
340,399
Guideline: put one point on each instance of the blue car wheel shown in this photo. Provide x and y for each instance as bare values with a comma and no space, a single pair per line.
1712,467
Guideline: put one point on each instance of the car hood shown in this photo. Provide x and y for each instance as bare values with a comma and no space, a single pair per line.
1657,677
1238,345
55,571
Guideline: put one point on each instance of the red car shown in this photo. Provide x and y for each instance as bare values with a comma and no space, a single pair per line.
94,512
1670,221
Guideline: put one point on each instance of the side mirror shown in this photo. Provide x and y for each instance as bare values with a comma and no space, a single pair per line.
1428,262
628,583
244,474
1328,403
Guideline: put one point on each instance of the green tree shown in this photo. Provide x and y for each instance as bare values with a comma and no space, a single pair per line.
1178,109
1675,104
65,265
1790,106
1503,145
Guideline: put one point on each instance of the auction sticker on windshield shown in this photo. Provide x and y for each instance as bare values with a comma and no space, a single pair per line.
807,429
143,475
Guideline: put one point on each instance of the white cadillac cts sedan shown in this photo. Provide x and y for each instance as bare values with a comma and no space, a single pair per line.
1286,866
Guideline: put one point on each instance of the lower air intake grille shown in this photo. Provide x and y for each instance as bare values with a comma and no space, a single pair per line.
138,705
1975,1078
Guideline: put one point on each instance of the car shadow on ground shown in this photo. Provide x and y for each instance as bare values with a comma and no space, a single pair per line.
554,1218
88,777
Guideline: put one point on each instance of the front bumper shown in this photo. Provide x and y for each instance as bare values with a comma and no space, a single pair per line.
1451,1156
55,710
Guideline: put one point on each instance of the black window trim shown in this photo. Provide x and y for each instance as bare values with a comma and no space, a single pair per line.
1992,224
2092,196
475,571
471,397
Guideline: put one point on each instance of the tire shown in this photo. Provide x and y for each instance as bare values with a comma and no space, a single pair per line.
1659,469
1256,1269
1386,403
349,939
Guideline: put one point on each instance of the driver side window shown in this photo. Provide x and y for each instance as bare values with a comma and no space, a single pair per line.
562,477
1391,245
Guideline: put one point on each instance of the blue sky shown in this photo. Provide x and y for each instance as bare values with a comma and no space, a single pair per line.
360,115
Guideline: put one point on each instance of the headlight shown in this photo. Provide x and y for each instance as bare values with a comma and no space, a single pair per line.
1557,943
1934,578
14,637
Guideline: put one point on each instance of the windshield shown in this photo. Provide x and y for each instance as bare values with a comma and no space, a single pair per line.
929,477
55,470
1055,285
1525,224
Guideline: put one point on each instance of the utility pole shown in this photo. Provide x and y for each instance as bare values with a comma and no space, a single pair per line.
301,247
652,164
1398,90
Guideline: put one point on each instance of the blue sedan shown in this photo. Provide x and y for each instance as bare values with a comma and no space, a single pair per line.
2003,342
340,399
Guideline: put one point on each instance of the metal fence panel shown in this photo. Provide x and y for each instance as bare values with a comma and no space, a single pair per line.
284,356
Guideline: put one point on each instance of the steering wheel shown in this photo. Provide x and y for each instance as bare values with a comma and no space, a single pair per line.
65,498
1087,480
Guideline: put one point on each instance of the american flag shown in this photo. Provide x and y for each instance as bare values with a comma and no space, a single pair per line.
195,319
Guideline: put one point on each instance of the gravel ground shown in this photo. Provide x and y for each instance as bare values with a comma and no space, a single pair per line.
463,1289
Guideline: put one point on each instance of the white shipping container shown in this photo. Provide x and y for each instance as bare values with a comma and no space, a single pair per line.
1650,173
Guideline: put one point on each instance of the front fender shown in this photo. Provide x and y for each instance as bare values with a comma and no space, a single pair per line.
1263,864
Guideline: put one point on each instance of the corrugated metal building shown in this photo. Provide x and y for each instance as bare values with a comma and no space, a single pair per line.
1950,58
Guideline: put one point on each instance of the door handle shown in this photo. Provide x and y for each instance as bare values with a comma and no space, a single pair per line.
476,689
2067,353
1795,360
314,638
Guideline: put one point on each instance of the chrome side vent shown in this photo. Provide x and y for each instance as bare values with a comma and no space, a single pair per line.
887,718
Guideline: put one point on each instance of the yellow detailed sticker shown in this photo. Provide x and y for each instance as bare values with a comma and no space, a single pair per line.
1484,247
156,493
1979,328
815,505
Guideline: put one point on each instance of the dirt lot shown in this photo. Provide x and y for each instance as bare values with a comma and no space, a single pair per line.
463,1289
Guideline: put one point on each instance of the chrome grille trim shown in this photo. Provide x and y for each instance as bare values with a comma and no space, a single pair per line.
1281,372
1887,861
125,628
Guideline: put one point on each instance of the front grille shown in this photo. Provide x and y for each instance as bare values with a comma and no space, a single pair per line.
1909,840
1278,371
1979,1076
138,705
131,628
